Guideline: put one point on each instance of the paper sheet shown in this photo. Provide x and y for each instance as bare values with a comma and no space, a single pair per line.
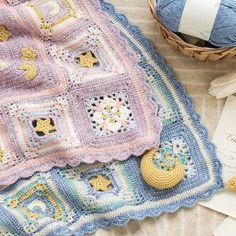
225,140
227,228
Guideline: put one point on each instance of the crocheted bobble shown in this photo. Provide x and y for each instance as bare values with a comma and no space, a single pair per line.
231,184
158,178
3,65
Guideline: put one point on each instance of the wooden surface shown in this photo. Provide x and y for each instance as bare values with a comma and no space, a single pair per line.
196,76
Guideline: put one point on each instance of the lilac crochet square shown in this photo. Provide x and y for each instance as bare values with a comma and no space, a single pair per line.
71,90
98,129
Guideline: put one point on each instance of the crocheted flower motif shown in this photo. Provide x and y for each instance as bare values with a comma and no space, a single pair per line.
87,59
1,154
111,114
44,126
173,150
28,54
158,178
100,183
4,33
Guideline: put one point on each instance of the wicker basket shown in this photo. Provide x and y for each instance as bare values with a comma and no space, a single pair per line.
200,53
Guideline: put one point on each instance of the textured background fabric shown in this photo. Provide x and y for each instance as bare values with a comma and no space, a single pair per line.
196,76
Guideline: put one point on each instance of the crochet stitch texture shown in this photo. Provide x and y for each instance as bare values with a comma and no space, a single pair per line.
70,89
78,200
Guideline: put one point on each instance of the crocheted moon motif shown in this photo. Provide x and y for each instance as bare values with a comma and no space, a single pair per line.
30,69
157,178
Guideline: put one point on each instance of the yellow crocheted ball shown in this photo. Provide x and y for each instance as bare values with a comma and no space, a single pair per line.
157,178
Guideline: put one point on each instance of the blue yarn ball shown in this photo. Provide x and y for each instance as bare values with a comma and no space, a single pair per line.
224,29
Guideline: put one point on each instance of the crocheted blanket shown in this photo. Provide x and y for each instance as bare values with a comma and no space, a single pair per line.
70,89
78,200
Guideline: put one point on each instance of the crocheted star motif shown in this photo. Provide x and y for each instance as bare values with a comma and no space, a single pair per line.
231,184
4,33
30,69
100,183
1,154
44,126
28,54
87,60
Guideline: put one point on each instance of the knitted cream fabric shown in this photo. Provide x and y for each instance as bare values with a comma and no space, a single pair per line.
70,89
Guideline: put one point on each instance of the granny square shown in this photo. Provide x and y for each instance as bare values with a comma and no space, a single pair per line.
105,110
112,115
90,40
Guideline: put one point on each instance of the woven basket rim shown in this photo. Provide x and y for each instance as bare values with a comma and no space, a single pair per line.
177,39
